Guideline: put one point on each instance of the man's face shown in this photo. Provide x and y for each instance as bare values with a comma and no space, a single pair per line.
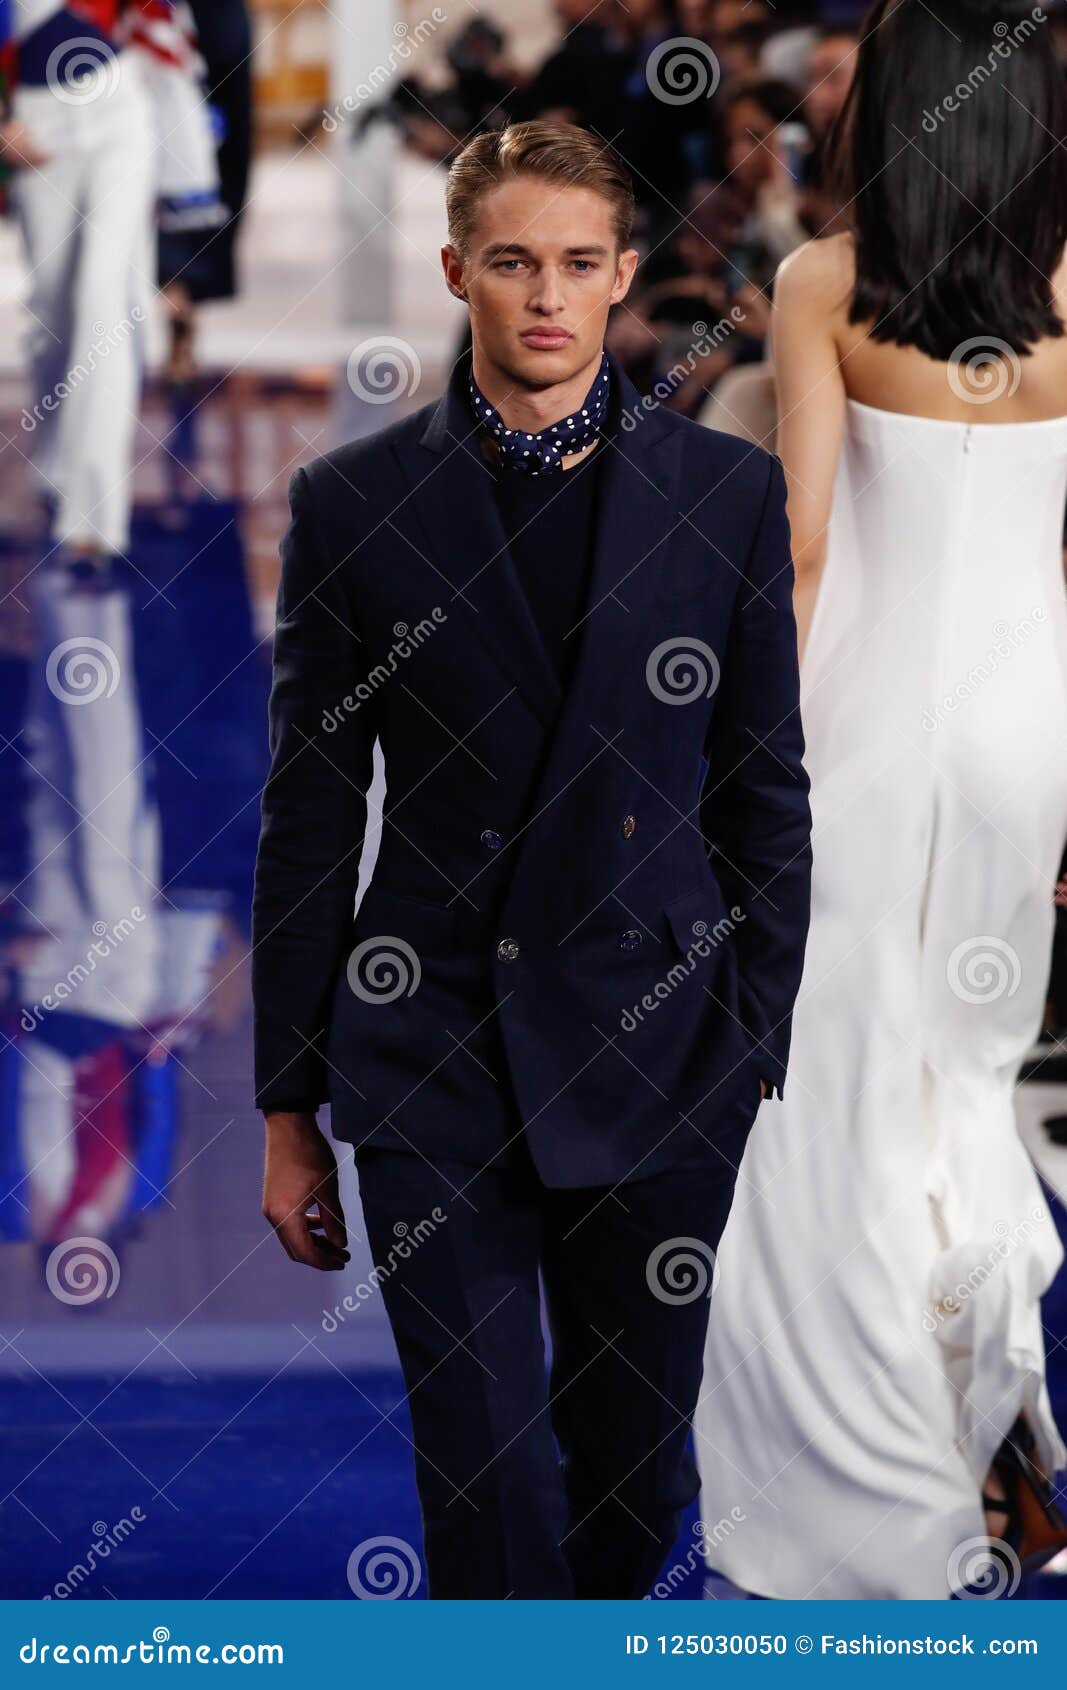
541,277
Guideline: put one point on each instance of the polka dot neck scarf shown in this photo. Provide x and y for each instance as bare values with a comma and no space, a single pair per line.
543,453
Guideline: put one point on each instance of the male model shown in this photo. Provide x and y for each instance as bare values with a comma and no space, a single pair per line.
566,615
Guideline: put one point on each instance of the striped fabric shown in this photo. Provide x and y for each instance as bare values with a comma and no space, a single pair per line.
34,33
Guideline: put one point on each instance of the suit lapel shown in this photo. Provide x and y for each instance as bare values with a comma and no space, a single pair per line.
638,512
464,542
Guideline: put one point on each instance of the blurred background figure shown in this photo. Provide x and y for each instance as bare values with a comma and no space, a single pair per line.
831,65
221,257
581,80
198,263
79,143
106,123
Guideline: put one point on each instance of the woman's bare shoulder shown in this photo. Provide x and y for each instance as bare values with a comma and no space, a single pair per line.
817,275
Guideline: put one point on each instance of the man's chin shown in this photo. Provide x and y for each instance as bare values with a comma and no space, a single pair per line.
537,367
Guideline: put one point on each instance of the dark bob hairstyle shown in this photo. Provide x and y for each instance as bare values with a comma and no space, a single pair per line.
949,156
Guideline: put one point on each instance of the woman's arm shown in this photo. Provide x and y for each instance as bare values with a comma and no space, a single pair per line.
811,406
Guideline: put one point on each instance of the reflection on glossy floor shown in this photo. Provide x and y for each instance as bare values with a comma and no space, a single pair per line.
133,755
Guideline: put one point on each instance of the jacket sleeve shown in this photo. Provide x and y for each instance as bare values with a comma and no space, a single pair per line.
313,817
754,811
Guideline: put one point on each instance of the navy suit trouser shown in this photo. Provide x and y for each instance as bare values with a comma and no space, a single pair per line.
558,1482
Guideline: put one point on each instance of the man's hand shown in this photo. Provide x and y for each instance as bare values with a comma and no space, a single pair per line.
300,1195
762,1091
17,149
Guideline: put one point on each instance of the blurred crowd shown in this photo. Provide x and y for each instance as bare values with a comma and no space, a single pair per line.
722,110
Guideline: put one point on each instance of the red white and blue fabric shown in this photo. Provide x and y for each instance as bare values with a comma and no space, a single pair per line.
164,32
52,42
45,43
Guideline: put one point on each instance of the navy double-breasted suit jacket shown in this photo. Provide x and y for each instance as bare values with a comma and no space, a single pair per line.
588,914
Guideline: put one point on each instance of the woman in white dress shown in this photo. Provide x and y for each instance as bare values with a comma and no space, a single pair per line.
875,1328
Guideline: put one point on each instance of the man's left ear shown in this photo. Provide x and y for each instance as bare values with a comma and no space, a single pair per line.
628,264
459,292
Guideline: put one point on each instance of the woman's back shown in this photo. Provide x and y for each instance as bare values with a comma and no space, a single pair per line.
826,367
942,536
985,382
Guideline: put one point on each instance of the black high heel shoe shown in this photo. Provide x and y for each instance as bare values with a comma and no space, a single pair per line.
1036,1530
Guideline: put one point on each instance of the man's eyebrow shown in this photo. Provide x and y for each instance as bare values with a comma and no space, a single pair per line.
517,250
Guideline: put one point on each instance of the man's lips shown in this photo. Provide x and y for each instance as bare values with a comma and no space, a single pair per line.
546,337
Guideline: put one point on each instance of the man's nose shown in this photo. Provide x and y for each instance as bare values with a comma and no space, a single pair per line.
548,295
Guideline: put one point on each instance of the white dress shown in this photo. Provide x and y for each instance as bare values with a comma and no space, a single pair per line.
875,1324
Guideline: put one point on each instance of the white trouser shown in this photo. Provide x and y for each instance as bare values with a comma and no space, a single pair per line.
86,219
94,826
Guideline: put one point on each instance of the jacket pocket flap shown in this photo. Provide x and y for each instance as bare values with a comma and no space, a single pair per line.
383,911
697,920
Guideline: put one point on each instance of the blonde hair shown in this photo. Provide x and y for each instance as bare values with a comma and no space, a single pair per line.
556,152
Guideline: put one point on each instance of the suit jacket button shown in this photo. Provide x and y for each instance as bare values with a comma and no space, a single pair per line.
630,940
507,950
491,839
628,825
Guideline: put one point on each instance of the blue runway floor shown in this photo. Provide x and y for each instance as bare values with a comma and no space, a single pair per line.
248,1488
244,1488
